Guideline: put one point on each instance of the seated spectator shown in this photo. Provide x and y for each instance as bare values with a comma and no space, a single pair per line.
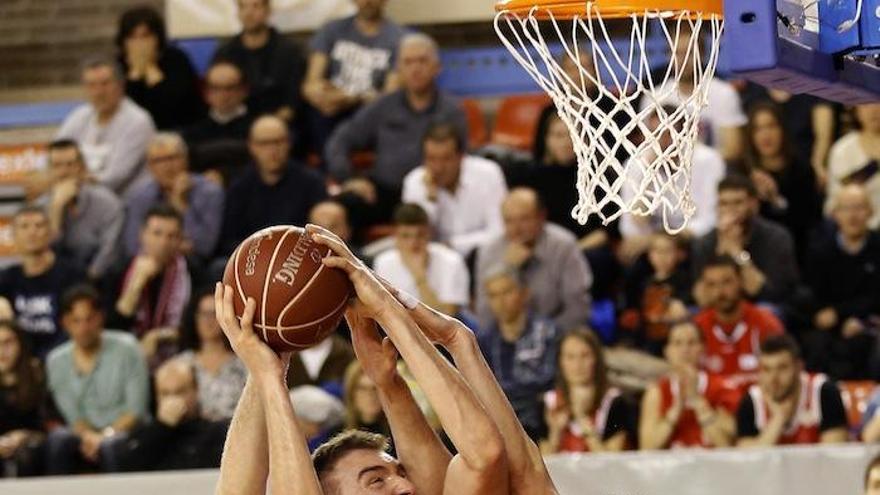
150,290
179,437
86,218
318,413
788,406
218,141
198,200
843,275
22,394
363,407
333,216
111,130
872,477
100,385
220,376
763,249
159,76
461,193
520,346
351,63
322,365
273,65
786,187
34,286
656,298
275,191
732,327
689,407
584,413
854,160
434,273
393,126
545,255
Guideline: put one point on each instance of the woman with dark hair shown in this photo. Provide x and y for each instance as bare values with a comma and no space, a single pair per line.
363,409
786,187
584,413
159,76
22,395
219,373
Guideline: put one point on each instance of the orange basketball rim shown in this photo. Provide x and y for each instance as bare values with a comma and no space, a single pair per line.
610,9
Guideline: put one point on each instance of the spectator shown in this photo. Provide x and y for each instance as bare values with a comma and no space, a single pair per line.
333,216
688,407
99,382
433,272
220,376
394,125
854,160
870,427
546,256
218,141
318,413
22,393
179,437
788,406
34,286
322,365
584,413
198,200
273,65
732,327
657,297
111,130
872,477
786,187
160,77
461,193
844,275
351,63
276,191
86,218
763,249
520,346
149,293
363,407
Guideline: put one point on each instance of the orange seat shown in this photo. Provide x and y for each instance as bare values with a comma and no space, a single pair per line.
856,395
478,133
517,120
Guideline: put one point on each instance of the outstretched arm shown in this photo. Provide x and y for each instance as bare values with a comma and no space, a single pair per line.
244,466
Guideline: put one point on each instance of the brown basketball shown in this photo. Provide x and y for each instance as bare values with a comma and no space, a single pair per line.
299,300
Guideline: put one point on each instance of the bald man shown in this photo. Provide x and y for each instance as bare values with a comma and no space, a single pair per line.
547,257
275,190
844,275
178,438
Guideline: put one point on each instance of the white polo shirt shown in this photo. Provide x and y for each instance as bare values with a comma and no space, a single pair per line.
447,274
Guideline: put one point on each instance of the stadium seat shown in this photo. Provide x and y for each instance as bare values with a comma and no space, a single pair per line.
478,134
856,395
517,120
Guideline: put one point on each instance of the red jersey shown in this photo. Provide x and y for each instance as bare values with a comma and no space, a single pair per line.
732,349
805,427
572,439
717,391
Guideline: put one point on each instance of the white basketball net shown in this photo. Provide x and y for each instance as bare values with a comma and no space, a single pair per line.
630,159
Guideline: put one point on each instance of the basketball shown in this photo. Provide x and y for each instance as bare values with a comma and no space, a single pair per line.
299,300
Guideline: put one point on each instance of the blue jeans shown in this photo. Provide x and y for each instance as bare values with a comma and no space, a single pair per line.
63,456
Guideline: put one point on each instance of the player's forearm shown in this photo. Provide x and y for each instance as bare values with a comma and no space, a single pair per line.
245,462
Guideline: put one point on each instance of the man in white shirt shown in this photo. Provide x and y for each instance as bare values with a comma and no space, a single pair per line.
462,194
111,130
434,272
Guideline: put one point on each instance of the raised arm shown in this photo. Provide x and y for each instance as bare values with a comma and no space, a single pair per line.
244,466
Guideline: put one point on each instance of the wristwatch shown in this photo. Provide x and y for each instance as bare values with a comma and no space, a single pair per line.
743,258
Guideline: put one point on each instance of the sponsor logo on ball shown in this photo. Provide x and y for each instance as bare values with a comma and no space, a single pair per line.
290,266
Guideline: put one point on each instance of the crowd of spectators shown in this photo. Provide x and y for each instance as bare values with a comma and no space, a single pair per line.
111,358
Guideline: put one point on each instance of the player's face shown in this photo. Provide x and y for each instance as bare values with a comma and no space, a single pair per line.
10,349
778,374
160,238
663,254
418,66
723,287
412,239
253,14
577,361
767,134
684,346
367,472
224,89
103,90
83,323
506,298
443,160
873,485
65,163
31,232
166,164
852,211
558,145
869,116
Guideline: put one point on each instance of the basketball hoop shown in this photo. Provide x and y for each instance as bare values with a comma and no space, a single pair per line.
630,160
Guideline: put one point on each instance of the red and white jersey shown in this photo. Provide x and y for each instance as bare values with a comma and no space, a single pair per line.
572,439
807,419
717,391
732,349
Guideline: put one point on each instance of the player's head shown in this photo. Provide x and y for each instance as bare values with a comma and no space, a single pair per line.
370,10
443,148
226,87
779,366
737,199
167,158
663,253
722,283
269,144
852,210
581,363
333,216
868,117
872,477
418,62
254,14
358,463
412,228
523,215
508,296
31,231
684,345
162,234
66,160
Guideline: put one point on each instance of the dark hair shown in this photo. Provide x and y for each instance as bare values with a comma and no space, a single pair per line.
326,456
189,335
442,131
79,293
163,211
95,61
875,462
30,381
600,370
410,214
781,343
63,144
720,260
738,182
137,16
242,75
751,159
